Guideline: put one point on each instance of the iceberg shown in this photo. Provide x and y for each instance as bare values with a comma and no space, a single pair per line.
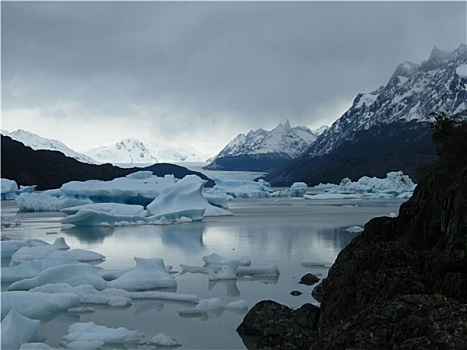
298,189
137,188
184,198
241,188
73,274
104,213
8,189
30,269
396,184
212,307
148,274
82,335
37,305
46,202
161,339
18,329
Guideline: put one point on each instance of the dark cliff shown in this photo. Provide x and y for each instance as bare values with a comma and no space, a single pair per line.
401,284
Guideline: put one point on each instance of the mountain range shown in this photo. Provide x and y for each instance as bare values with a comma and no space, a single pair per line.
264,151
37,142
134,151
51,169
387,129
128,151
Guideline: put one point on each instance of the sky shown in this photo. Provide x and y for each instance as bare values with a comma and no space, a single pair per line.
199,73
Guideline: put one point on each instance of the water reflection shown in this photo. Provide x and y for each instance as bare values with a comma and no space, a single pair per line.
90,234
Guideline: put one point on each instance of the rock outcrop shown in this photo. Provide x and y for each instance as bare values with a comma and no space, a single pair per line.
401,284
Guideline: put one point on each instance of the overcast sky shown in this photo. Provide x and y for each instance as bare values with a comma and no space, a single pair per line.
93,73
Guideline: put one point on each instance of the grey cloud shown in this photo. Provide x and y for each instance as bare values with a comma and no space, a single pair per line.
248,60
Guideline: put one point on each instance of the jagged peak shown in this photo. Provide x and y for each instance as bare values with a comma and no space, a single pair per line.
438,56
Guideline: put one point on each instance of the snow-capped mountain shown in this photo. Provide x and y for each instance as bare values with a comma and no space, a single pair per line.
386,129
413,91
37,142
262,150
134,151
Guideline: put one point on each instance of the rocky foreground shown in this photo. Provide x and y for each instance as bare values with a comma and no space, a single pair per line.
401,284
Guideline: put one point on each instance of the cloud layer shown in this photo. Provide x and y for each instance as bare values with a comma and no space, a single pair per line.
204,71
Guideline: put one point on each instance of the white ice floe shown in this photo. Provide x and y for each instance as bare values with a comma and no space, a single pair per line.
314,263
161,339
8,189
58,250
242,188
73,274
175,201
110,213
46,202
220,268
83,335
184,198
396,184
30,269
146,275
354,229
18,329
298,189
212,307
37,305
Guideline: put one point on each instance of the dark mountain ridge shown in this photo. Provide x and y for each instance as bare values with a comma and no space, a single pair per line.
51,169
386,130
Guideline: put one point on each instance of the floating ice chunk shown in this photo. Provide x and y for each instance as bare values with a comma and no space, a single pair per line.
161,339
8,189
394,184
298,189
37,305
212,307
329,195
18,329
46,202
87,294
164,296
146,275
264,271
81,255
355,229
30,269
84,345
140,175
73,274
228,271
184,198
36,250
134,189
10,247
55,251
97,213
307,262
242,188
216,259
218,198
90,332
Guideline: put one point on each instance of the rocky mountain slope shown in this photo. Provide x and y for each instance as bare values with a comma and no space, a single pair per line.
386,130
134,151
262,150
37,142
401,284
50,169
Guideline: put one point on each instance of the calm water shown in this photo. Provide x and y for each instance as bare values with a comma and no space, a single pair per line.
281,231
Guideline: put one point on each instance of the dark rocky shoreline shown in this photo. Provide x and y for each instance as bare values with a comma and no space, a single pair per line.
401,284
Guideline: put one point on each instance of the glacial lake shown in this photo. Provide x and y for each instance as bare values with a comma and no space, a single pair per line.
281,231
